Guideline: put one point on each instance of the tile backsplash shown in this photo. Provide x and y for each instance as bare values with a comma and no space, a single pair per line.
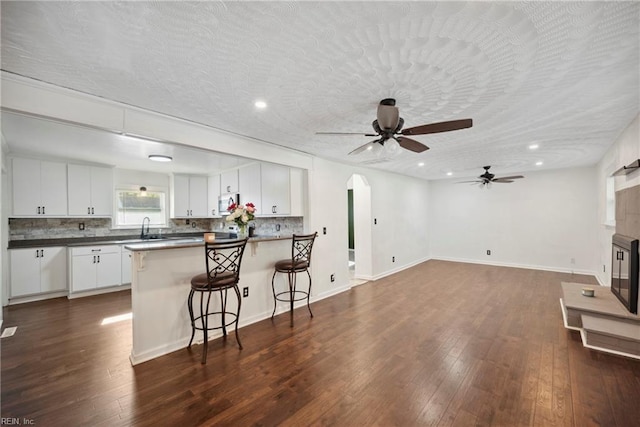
57,228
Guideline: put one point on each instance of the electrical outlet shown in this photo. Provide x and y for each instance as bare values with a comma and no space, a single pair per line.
193,224
245,292
81,226
324,230
393,259
375,221
333,278
187,221
277,227
488,251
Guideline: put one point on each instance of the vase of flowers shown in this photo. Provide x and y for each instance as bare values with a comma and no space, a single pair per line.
241,215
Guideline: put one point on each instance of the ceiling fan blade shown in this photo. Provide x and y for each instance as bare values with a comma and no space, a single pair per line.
502,178
346,133
411,144
388,116
467,182
365,147
438,127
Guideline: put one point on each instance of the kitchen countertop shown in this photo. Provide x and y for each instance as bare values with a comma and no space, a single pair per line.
167,241
191,242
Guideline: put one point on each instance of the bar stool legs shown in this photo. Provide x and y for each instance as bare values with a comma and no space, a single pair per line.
299,262
223,261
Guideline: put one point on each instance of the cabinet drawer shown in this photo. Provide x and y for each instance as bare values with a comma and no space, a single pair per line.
95,250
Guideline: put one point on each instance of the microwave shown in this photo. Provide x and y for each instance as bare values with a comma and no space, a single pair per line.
226,200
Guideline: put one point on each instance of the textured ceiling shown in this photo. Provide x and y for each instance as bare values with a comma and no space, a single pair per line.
563,75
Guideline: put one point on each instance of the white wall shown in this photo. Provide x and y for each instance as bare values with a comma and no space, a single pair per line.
399,204
542,221
623,151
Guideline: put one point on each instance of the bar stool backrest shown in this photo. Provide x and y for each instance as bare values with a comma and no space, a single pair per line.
301,248
223,262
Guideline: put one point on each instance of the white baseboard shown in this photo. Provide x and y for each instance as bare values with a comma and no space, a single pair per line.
517,265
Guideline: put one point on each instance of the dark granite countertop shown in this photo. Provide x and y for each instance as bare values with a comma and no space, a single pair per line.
166,242
99,240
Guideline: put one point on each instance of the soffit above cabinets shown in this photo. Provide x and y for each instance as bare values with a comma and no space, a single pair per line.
37,137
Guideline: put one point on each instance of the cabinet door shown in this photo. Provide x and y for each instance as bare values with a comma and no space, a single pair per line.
109,269
229,182
296,185
180,197
25,271
213,194
198,202
126,266
249,183
26,187
53,188
53,269
102,191
275,189
79,188
83,272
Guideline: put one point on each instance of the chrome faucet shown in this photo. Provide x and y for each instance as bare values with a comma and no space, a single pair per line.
144,235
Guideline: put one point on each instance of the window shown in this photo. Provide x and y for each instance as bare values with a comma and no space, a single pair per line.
133,206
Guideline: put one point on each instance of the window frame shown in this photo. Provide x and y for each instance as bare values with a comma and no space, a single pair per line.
132,189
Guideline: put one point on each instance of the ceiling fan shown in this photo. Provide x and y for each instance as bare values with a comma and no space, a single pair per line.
388,127
487,178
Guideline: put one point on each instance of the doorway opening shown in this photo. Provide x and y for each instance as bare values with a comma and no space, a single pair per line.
359,236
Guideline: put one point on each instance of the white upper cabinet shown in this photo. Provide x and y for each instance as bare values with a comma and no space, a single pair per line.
229,182
249,183
213,194
296,179
275,189
189,195
90,190
39,188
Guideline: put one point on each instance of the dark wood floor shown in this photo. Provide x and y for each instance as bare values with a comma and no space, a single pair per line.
439,344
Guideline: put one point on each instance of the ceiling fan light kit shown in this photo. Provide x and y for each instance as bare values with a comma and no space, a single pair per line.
388,127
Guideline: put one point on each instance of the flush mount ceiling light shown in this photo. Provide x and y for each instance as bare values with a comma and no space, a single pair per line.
260,104
143,191
533,146
539,163
160,158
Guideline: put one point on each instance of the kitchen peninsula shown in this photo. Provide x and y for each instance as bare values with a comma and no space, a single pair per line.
160,285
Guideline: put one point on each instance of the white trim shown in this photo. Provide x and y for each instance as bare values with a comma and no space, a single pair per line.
37,297
515,265
99,291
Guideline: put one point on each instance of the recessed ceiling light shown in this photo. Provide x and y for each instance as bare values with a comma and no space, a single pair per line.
539,163
533,147
449,173
160,158
260,104
421,164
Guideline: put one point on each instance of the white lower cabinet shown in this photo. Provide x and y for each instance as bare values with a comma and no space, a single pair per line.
38,270
94,267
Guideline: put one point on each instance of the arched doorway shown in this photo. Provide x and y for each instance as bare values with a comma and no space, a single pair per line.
360,220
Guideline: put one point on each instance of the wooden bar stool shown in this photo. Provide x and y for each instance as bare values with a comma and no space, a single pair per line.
299,262
223,261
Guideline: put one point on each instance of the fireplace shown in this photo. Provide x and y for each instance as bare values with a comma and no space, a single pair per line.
624,271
